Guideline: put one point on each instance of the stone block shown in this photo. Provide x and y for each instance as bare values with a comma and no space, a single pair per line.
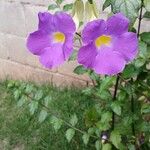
12,18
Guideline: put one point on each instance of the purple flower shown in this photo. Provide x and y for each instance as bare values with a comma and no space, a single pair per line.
107,45
53,41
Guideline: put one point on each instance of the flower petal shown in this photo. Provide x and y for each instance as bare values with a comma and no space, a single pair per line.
108,62
86,55
64,23
117,24
37,41
92,30
127,45
52,56
68,45
46,22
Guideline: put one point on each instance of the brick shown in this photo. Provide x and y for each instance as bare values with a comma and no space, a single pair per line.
31,15
12,18
3,49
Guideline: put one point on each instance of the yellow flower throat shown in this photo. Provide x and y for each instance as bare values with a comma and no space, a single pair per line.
59,37
102,40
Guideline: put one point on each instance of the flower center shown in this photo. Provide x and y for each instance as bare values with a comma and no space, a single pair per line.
59,37
102,40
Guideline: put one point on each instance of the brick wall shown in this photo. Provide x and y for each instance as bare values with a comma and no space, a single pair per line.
17,19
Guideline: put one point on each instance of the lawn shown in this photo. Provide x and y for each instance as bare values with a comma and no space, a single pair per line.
19,130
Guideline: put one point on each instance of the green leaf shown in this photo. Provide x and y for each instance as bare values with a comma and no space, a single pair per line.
21,101
107,147
147,15
52,7
69,134
147,4
115,138
106,117
85,138
38,95
131,147
29,88
116,108
129,71
67,7
47,100
106,83
145,36
73,120
59,1
80,70
129,8
106,4
42,116
57,123
98,145
139,62
17,94
33,106
145,108
142,50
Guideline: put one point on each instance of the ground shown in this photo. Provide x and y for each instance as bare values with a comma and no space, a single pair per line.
21,131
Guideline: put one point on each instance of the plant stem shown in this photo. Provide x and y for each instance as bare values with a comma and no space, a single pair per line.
138,34
140,19
114,98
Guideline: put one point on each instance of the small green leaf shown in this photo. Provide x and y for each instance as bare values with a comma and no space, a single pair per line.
147,15
106,117
21,101
52,7
116,108
33,106
85,138
59,1
98,145
17,94
73,120
38,95
57,123
129,71
42,116
47,100
145,36
106,83
107,147
69,134
106,4
131,147
145,108
139,62
115,138
80,70
29,88
67,7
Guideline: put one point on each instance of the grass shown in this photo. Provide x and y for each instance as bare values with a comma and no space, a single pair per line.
21,131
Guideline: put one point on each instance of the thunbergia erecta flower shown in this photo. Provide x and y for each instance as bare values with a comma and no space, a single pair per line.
107,45
53,41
